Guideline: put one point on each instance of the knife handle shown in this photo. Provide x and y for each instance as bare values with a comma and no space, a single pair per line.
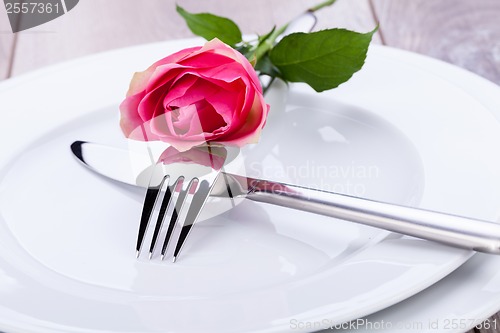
457,231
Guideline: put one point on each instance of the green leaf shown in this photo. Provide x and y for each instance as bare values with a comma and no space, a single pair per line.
210,26
265,66
323,59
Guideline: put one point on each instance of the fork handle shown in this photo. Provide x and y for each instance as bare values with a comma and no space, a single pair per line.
457,231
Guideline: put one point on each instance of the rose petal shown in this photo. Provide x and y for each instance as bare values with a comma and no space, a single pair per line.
163,76
129,119
177,56
247,130
209,118
227,103
140,79
199,90
178,89
206,60
160,126
227,73
185,119
221,48
151,103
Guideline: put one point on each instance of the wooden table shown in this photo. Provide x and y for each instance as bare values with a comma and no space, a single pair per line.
462,32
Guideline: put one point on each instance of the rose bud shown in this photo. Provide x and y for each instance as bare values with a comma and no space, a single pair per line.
209,93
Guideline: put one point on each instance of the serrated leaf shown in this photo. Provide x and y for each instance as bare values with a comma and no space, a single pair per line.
211,26
323,59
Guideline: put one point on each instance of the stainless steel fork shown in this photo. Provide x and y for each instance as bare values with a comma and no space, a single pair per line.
176,176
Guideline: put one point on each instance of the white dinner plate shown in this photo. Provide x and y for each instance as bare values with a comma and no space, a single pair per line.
394,133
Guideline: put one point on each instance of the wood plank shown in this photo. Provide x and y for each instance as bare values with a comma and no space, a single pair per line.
462,32
100,25
6,45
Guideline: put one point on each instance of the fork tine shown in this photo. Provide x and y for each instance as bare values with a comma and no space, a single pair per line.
199,199
175,215
165,204
170,176
147,209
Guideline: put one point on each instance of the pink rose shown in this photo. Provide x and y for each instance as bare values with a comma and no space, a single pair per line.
196,95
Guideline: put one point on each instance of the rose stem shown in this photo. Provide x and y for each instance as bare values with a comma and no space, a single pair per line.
268,44
321,5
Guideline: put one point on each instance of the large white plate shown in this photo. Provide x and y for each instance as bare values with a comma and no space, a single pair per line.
66,257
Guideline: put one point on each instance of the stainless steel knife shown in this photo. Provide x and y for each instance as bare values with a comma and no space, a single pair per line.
457,231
